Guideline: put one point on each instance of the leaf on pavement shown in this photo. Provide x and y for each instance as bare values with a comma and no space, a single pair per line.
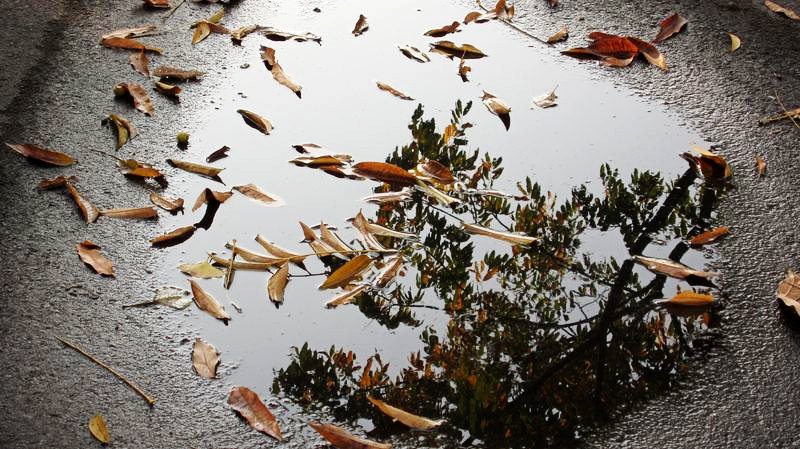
361,26
710,236
558,36
410,420
90,255
346,297
171,205
736,42
789,292
132,167
40,154
99,429
205,27
671,268
614,50
205,359
58,181
174,73
168,89
139,62
669,27
443,31
271,62
140,213
247,403
123,129
387,88
174,237
547,100
385,172
240,33
689,298
347,272
776,8
708,165
128,44
141,100
88,210
201,270
207,303
141,31
254,192
414,53
157,3
452,50
509,237
256,121
761,165
497,107
172,297
277,284
503,11
198,169
343,439
650,52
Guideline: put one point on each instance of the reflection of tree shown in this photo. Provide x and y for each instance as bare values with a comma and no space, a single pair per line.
540,342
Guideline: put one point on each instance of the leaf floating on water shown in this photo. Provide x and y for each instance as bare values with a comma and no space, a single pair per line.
173,297
333,240
670,26
252,266
175,237
90,255
389,271
346,297
256,121
99,429
410,420
275,35
761,165
201,270
141,213
168,89
671,268
240,33
436,172
205,359
479,17
343,439
689,299
736,42
414,53
123,129
463,70
207,303
558,36
547,100
277,284
219,154
170,205
451,50
361,225
497,107
208,196
40,154
509,237
141,101
347,272
709,236
132,167
139,62
789,292
709,166
271,62
199,169
247,403
385,172
776,8
361,26
393,91
174,73
124,33
443,31
128,44
254,192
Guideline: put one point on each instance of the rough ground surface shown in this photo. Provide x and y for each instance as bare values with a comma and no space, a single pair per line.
56,86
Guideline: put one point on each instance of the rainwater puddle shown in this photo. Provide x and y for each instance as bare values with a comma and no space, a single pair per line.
493,357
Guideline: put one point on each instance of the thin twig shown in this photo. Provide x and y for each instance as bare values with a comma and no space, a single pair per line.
513,26
229,274
785,111
173,11
150,401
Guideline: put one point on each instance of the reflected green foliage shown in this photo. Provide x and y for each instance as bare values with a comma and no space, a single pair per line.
532,345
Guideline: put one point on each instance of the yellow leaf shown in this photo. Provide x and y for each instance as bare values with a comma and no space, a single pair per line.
99,430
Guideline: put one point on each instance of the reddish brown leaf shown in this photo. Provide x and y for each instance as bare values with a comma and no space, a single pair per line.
443,31
58,181
128,44
40,154
168,89
90,255
137,212
157,3
361,26
168,204
384,172
343,439
709,236
650,52
87,209
247,403
173,237
761,165
139,62
670,26
141,101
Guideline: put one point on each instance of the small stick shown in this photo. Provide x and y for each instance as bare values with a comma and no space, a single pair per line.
150,401
173,11
229,274
513,26
777,97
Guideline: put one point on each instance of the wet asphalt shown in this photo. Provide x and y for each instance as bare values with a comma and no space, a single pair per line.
55,88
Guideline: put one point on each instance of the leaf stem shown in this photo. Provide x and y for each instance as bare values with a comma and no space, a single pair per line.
785,111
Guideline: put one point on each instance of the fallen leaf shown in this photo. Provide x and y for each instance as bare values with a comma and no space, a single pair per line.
88,210
139,62
320,248
385,172
414,53
776,8
173,237
393,91
346,297
606,46
58,181
99,429
205,359
791,114
201,270
256,121
132,167
736,42
789,292
650,52
208,196
128,44
201,31
709,166
157,3
479,17
347,272
172,297
547,100
277,251
669,27
253,266
497,107
689,299
271,63
558,36
672,269
146,212
217,155
275,35
141,101
410,420
199,169
509,237
463,70
361,225
361,26
169,204
436,171
168,89
277,284
761,165
333,240
247,403
207,303
343,439
319,161
376,229
123,129
451,50
439,196
141,31
710,236
503,11
175,73
254,192
40,154
90,255
240,33
443,31
388,197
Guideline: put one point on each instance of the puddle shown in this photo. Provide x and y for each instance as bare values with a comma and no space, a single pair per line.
496,358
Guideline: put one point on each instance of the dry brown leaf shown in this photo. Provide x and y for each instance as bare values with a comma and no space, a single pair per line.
558,36
123,129
40,154
361,26
509,237
168,89
736,42
389,271
443,31
319,161
689,299
271,62
709,165
385,172
479,17
175,73
201,270
58,181
761,165
128,44
671,268
710,236
387,88
219,154
361,225
252,266
277,284
787,115
143,213
199,169
650,52
139,62
88,210
141,100
277,251
169,204
410,420
347,272
346,297
247,403
776,8
789,291
503,11
254,192
343,439
141,31
463,70
132,167
210,196
256,121
201,31
436,171
207,303
90,255
451,50
99,429
669,27
173,237
497,107
414,53
157,3
205,359
613,50
333,240
280,36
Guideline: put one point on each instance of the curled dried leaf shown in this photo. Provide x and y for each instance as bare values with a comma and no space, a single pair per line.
414,53
736,42
141,213
450,49
247,403
256,121
141,31
277,284
123,129
670,26
789,292
207,303
99,429
347,272
88,210
443,31
547,100
169,204
90,255
132,167
280,36
343,439
558,36
254,192
385,172
387,88
168,89
776,8
174,73
708,165
346,297
271,62
205,359
497,107
761,165
361,26
128,44
141,100
40,154
219,154
509,237
199,169
174,237
650,52
410,420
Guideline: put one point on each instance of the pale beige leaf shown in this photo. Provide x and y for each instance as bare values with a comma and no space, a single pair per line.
789,291
509,237
389,271
247,403
736,42
333,240
99,429
141,213
277,284
343,439
411,420
271,62
207,303
199,169
202,270
172,205
205,359
671,268
547,100
558,36
254,192
125,33
345,297
256,121
414,53
139,62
